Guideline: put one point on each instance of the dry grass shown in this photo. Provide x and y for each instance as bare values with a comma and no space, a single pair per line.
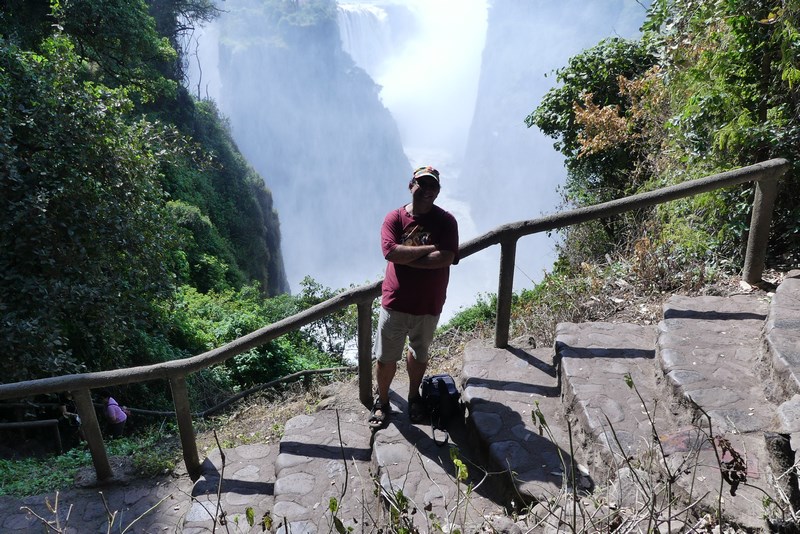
262,417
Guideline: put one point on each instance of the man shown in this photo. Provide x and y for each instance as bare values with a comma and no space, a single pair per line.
420,242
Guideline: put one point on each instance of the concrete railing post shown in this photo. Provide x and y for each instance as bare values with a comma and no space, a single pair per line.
91,433
180,397
365,353
760,222
508,252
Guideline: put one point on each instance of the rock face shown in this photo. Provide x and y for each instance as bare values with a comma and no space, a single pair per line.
312,124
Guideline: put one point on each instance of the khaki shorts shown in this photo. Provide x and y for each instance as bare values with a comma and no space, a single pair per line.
395,326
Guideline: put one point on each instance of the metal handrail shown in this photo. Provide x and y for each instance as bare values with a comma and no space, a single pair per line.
764,174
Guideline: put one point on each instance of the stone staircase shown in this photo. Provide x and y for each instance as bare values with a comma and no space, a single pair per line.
703,409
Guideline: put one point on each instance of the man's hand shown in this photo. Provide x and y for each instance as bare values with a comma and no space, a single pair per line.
406,255
434,260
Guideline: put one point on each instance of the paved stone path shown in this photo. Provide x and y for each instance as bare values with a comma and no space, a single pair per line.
159,504
501,389
245,479
734,359
596,358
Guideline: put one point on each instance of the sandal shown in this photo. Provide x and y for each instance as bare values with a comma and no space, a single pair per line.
417,410
379,414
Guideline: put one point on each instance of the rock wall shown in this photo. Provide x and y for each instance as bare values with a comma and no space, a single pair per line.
311,122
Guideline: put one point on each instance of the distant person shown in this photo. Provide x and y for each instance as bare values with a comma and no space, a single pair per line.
114,414
420,242
69,422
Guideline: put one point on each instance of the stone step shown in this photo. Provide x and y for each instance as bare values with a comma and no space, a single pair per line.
323,456
501,389
782,342
418,477
243,479
782,333
603,366
710,350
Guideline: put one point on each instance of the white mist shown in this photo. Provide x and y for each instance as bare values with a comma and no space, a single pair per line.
426,55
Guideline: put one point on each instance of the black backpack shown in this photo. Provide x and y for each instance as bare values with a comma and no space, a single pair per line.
441,398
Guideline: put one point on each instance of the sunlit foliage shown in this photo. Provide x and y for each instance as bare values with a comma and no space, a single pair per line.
710,86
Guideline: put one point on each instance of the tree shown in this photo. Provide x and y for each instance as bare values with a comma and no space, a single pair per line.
709,87
733,69
591,80
84,238
119,37
591,117
177,20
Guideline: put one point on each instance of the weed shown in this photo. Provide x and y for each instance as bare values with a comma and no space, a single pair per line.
661,500
31,476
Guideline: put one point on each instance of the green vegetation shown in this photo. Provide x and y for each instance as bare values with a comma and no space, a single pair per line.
203,321
151,455
471,318
85,245
132,229
710,86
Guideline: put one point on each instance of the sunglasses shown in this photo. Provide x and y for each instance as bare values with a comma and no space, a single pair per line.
427,184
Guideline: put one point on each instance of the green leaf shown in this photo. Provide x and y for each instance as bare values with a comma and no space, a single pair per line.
628,380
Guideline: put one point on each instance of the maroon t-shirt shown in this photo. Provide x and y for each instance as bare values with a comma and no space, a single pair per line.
409,289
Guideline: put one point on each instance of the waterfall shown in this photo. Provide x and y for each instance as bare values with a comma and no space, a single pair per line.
426,59
365,34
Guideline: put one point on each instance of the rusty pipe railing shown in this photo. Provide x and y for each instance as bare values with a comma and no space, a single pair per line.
764,174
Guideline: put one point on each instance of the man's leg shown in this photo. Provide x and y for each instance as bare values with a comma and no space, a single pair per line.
384,374
388,350
416,370
419,342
